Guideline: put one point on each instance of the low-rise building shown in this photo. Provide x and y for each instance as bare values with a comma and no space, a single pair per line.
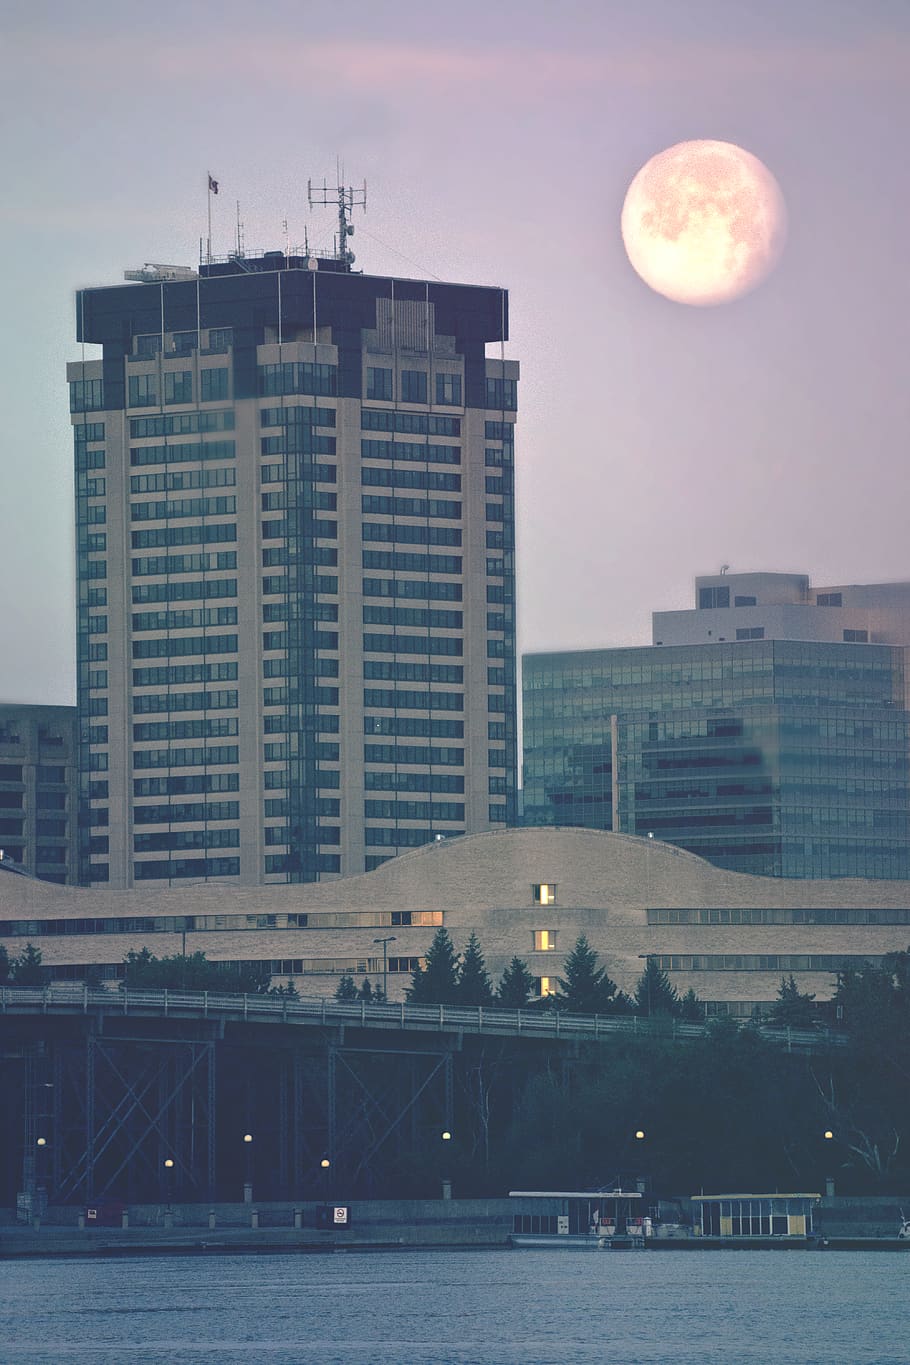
525,892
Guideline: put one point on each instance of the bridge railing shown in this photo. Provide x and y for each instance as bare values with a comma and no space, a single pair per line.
65,997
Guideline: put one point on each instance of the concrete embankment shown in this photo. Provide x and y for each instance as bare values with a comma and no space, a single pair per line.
198,1228
443,1224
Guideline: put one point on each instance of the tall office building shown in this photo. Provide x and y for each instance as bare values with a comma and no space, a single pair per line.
295,520
766,730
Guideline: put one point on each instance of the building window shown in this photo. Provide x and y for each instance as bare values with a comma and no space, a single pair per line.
379,383
413,386
502,394
750,632
143,390
829,599
448,390
713,597
147,344
220,338
856,637
744,602
546,985
544,940
544,893
213,385
86,395
178,386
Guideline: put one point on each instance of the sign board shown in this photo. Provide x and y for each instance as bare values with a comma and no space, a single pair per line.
333,1217
562,1224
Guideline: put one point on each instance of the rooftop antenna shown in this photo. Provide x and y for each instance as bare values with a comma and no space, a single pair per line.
287,244
347,199
239,234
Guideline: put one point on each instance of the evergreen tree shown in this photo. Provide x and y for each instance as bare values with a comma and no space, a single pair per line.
4,965
346,989
191,972
654,994
516,986
586,988
26,969
792,1008
691,1009
288,991
366,991
437,983
474,986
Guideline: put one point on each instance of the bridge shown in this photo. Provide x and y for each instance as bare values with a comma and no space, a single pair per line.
148,1095
102,1002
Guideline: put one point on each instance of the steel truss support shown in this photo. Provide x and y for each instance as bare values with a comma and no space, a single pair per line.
387,1112
144,1100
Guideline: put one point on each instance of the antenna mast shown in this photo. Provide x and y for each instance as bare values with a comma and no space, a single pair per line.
347,199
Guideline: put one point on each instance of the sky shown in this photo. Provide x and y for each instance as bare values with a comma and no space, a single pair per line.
656,441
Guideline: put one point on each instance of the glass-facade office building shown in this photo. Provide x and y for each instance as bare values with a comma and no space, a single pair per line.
295,539
777,757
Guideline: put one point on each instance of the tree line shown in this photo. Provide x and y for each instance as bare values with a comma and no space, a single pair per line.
447,978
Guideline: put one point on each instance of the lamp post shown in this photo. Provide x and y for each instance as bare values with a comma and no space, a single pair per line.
446,1138
168,1181
248,1169
38,1207
646,958
648,864
385,963
829,1179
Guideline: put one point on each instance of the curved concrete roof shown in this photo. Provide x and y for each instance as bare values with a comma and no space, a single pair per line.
592,868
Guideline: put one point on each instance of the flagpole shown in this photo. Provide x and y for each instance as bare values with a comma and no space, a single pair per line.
209,238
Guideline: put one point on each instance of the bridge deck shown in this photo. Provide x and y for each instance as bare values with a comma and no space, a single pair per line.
62,998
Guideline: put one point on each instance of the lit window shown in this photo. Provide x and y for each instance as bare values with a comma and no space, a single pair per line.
544,940
547,985
544,893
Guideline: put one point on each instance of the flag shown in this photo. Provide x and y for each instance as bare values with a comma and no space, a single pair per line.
213,186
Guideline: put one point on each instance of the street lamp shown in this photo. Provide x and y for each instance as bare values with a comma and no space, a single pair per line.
168,1179
446,1138
385,963
646,958
248,1170
639,1134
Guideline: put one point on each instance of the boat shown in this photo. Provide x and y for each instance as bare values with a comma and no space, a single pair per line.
582,1220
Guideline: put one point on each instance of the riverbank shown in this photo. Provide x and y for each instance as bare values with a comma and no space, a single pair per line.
379,1225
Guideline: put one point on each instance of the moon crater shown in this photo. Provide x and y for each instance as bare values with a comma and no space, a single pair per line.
704,222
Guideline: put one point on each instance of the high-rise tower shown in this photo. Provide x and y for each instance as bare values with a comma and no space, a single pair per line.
295,526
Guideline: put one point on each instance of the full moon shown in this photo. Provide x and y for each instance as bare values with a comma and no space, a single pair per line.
704,222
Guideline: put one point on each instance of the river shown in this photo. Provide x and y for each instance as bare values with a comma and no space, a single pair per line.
460,1308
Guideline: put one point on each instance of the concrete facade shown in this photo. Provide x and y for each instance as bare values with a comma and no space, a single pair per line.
787,607
728,935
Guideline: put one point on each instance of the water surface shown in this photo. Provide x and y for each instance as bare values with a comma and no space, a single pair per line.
460,1308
